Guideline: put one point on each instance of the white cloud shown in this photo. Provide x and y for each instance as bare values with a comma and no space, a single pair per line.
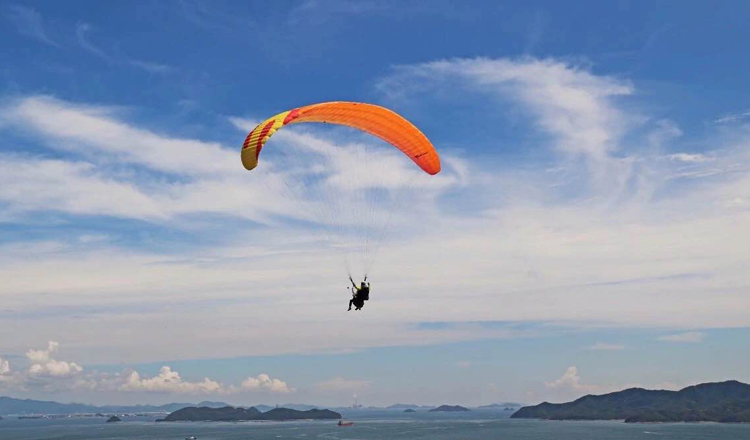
569,379
43,355
570,103
51,375
168,381
571,386
107,179
733,117
213,180
45,373
92,131
151,67
82,29
93,238
691,158
464,364
688,337
523,250
665,131
55,368
514,246
29,22
43,364
264,382
605,346
8,379
72,187
339,384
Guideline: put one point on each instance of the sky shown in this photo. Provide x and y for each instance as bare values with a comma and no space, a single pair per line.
589,230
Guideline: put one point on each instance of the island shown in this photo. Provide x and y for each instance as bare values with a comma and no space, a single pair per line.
724,402
232,414
409,410
281,414
114,419
449,408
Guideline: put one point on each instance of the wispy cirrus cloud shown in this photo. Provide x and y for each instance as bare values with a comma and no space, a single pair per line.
690,157
83,30
207,176
150,66
30,23
205,15
75,187
90,130
87,185
572,104
584,115
733,117
516,246
587,116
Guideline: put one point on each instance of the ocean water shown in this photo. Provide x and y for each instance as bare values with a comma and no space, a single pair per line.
484,425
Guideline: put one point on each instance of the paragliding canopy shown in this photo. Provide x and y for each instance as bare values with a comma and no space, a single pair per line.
353,216
373,119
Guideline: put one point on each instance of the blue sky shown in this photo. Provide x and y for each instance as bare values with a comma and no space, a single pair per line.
588,231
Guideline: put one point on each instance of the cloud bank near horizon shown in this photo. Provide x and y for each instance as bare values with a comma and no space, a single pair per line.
46,373
169,384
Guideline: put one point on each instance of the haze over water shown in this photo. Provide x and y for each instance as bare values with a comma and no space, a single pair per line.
374,425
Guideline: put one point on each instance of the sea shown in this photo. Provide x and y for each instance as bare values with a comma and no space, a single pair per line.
369,425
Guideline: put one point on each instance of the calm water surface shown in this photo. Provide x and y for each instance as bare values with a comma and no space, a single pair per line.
371,426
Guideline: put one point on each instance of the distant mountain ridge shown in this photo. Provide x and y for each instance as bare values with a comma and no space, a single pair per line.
9,405
724,402
297,406
500,405
449,408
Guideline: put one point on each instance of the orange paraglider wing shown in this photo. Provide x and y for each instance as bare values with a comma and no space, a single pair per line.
378,121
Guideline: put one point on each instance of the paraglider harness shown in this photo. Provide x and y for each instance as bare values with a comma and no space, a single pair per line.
359,294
